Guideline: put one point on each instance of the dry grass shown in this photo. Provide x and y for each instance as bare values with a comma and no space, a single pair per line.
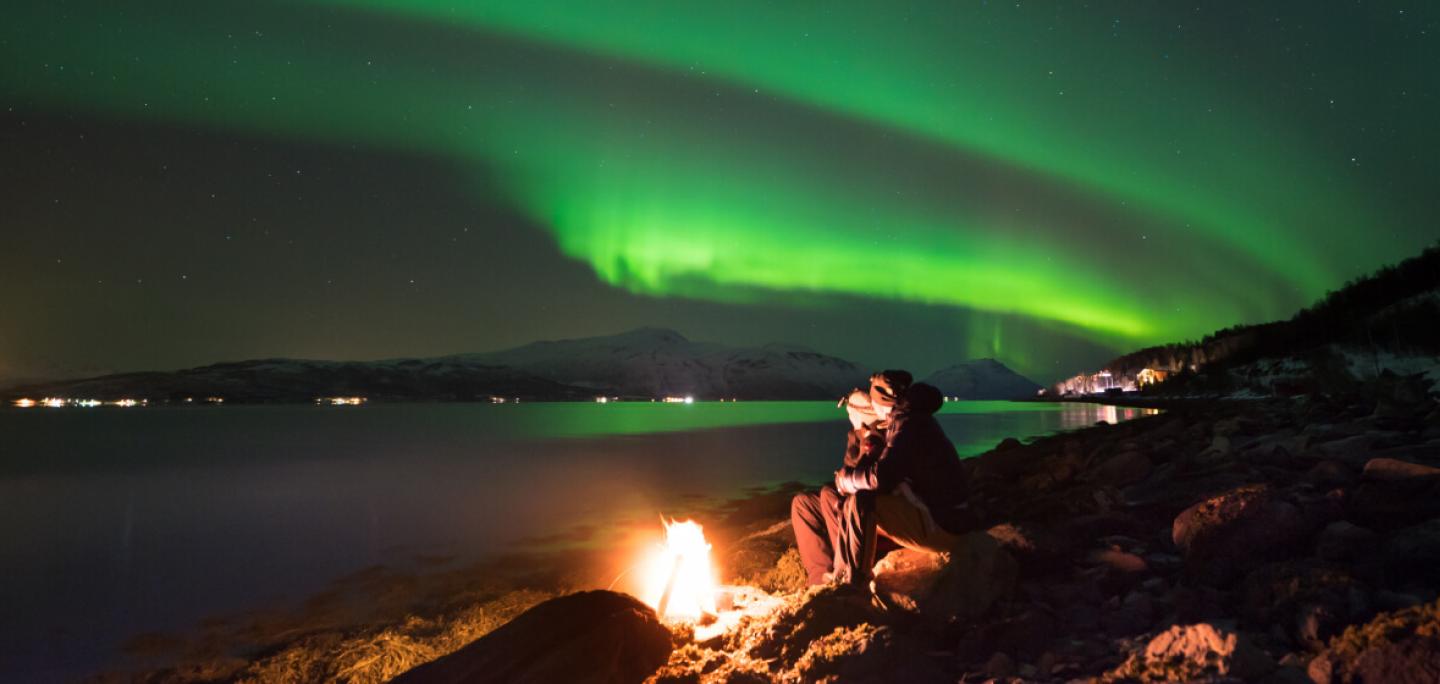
379,655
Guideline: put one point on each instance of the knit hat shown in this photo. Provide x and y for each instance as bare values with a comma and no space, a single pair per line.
887,386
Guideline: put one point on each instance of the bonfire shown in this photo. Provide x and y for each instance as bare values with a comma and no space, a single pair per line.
679,583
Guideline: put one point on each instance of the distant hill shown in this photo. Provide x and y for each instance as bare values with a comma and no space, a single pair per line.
659,362
643,363
982,379
299,380
1389,320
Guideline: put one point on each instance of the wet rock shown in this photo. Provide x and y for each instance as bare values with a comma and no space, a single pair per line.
1132,616
999,665
1396,469
1276,455
1318,508
1119,571
1401,399
1054,472
1121,469
1195,604
965,583
1402,647
592,636
1120,561
1082,529
1353,449
1034,548
1288,674
1306,602
1330,473
1344,541
1233,425
1412,555
1172,489
1226,536
1164,563
1007,444
1386,600
1026,635
1394,494
1196,652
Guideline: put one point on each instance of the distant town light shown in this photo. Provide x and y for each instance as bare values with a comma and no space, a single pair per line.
88,402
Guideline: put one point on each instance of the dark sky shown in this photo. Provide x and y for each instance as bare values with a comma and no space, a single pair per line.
907,186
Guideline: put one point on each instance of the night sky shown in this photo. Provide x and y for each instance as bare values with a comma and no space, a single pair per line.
1045,183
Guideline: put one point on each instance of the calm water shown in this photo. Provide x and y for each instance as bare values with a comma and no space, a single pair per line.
122,521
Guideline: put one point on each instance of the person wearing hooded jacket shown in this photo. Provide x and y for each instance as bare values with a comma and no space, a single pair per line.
815,516
908,490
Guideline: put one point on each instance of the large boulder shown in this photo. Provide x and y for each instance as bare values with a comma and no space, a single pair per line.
1402,647
1228,535
1201,651
594,636
1394,494
964,583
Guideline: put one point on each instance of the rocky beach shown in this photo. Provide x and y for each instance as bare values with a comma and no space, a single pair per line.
1285,540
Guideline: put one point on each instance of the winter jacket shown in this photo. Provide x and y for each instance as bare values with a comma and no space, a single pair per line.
918,453
862,444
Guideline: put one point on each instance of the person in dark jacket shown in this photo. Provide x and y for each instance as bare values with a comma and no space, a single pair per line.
816,515
909,491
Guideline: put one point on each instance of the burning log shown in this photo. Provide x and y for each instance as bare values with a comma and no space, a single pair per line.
679,583
669,587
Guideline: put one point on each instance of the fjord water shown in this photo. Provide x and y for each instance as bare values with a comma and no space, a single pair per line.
123,521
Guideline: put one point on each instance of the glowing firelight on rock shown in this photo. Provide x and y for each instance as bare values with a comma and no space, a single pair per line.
679,579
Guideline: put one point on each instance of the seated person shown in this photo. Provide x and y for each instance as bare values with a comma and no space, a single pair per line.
815,515
909,491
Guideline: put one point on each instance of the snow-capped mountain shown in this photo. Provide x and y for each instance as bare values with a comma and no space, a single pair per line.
642,363
982,379
659,362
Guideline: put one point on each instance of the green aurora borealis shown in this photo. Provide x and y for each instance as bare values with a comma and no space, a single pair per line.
1121,174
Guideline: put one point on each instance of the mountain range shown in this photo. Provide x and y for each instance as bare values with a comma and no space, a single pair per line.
640,364
982,379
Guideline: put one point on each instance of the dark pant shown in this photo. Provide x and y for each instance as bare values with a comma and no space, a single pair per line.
839,534
816,517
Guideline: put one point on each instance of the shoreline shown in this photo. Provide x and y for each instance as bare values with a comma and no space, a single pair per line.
1091,521
449,597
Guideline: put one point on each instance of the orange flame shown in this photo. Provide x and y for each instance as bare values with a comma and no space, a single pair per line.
679,581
